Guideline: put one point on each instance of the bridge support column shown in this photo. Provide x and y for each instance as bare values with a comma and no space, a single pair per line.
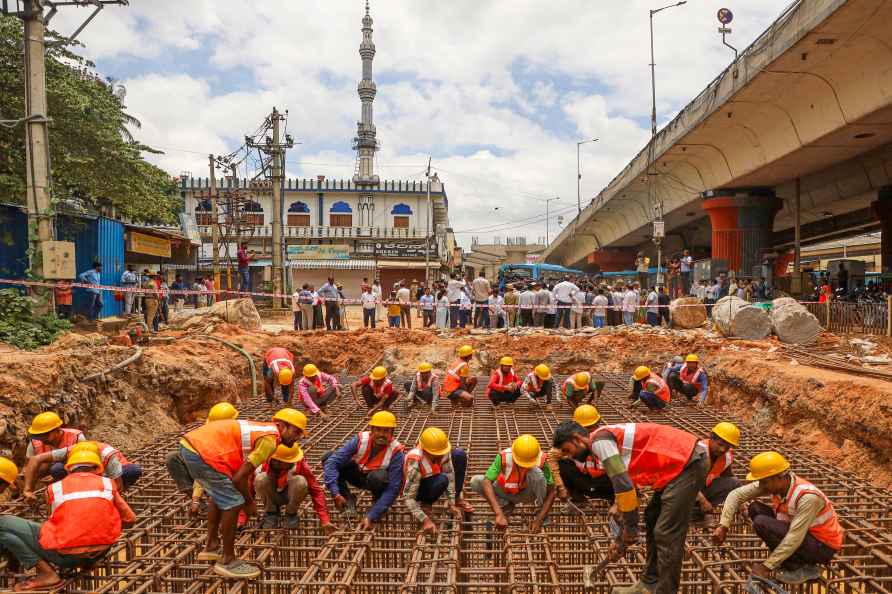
742,224
882,208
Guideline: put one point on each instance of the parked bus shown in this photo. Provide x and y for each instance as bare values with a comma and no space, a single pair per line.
525,273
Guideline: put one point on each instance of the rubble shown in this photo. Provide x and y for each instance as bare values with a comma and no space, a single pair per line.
738,318
240,312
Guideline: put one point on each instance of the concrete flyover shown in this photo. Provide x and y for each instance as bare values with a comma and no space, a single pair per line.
808,105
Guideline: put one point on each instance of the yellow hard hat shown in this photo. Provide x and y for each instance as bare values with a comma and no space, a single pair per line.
83,456
542,372
383,418
526,451
379,373
433,440
87,446
8,470
692,358
222,411
44,423
310,370
586,415
582,380
425,367
286,376
465,350
506,361
292,417
291,455
767,464
728,432
641,373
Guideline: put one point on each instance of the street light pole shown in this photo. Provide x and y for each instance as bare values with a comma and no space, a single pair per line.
548,201
579,176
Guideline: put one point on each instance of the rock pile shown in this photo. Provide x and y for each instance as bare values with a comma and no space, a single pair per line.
793,323
738,318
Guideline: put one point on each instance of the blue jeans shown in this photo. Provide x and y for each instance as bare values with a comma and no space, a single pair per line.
628,318
21,538
454,314
244,275
653,318
217,485
433,487
95,306
651,400
599,321
393,321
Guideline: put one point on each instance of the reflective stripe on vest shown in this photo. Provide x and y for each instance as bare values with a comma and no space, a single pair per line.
825,527
379,392
60,497
513,479
425,466
534,380
276,365
224,445
695,378
82,513
247,429
453,377
419,382
652,454
382,458
662,390
592,467
69,438
719,466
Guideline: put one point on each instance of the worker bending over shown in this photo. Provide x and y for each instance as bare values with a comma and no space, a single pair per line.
668,460
86,514
720,479
376,389
222,456
9,472
372,461
458,386
539,384
115,466
690,380
800,526
649,388
286,479
47,434
504,384
278,369
434,468
518,474
317,389
582,477
581,387
423,387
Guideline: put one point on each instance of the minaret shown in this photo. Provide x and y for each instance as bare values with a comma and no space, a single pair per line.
365,142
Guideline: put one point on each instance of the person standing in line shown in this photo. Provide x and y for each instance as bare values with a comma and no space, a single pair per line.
200,289
663,301
454,289
150,298
404,296
588,298
129,281
164,304
305,301
563,295
576,310
244,257
510,300
653,310
378,293
427,307
642,266
465,307
481,291
617,311
211,290
318,316
342,309
179,299
92,277
62,295
630,305
525,302
394,312
552,309
369,304
540,301
686,265
295,309
442,311
496,309
329,294
600,309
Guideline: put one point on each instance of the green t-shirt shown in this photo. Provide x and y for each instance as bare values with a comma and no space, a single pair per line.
495,469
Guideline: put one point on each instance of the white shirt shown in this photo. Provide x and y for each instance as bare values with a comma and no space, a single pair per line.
564,291
652,301
578,302
403,295
686,262
495,304
427,302
481,289
600,303
525,299
369,301
376,291
552,303
630,301
464,301
454,290
295,301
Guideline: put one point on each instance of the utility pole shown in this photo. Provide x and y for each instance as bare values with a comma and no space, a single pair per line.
579,177
547,217
276,175
215,222
230,279
427,234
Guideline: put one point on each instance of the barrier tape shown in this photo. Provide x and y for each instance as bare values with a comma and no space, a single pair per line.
413,305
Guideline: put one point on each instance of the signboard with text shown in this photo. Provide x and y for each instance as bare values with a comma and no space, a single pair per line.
318,252
151,245
405,248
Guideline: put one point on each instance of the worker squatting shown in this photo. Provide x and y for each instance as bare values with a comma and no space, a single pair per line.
235,462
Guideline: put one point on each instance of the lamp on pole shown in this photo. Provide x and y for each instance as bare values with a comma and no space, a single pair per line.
579,175
548,201
651,173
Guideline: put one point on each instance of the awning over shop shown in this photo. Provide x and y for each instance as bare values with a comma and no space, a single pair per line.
407,264
348,264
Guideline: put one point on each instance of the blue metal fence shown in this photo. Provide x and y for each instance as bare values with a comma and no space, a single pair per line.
100,239
13,242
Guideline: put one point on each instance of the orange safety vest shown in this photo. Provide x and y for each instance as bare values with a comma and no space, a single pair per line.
82,513
653,454
281,479
379,393
719,466
662,390
425,466
225,445
278,358
534,380
316,382
419,383
592,467
574,389
69,438
363,456
825,527
453,377
692,377
513,477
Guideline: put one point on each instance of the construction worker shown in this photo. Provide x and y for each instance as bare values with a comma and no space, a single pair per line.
286,479
692,380
671,371
115,465
423,387
86,514
720,479
518,474
580,478
800,527
458,386
278,369
433,467
47,434
649,388
538,384
668,460
504,384
581,387
376,389
8,474
372,461
317,389
222,456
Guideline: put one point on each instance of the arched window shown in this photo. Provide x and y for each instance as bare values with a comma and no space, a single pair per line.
203,213
299,214
253,213
340,215
401,213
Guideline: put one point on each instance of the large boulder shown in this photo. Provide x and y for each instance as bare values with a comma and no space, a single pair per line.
793,323
687,313
738,318
240,312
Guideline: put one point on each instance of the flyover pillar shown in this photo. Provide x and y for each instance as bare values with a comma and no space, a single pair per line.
742,224
882,209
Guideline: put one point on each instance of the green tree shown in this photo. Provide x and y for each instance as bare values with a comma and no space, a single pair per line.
95,158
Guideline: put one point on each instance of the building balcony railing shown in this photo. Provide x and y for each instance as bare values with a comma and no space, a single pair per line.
333,232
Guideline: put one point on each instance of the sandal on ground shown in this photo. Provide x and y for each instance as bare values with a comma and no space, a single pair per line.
238,570
29,585
208,556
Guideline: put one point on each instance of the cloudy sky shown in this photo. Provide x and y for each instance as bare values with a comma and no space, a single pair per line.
498,92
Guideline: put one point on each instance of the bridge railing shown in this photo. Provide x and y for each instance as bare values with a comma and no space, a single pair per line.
854,318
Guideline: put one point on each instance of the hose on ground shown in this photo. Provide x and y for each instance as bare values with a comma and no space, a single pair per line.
131,359
244,353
